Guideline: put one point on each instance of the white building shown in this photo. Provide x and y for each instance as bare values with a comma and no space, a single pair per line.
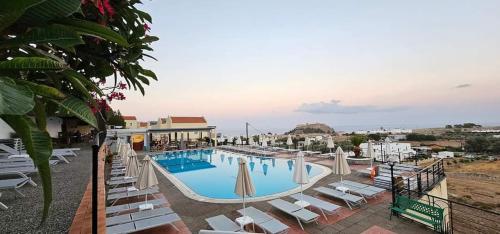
444,154
384,131
390,150
130,122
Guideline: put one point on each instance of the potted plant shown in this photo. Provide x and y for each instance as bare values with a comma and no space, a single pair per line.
356,140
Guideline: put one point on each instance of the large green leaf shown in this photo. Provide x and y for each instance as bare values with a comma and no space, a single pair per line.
11,10
94,29
39,147
43,90
56,34
149,73
15,99
80,87
31,63
77,108
84,80
50,10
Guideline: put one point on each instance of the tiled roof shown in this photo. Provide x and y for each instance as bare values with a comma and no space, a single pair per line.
126,117
188,119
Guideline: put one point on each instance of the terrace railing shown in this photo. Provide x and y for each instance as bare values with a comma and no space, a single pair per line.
464,218
458,217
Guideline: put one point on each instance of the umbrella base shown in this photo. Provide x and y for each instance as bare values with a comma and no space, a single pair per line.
147,206
302,203
131,189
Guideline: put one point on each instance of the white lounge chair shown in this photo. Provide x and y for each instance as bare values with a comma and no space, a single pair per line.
323,206
222,223
301,214
349,199
12,184
267,222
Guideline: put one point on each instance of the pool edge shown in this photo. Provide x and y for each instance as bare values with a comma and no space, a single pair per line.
194,196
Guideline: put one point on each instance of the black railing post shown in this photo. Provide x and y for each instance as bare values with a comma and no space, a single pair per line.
427,177
419,184
95,152
393,187
409,187
450,210
433,174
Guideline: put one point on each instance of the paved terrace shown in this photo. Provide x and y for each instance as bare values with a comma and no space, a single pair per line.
370,218
70,181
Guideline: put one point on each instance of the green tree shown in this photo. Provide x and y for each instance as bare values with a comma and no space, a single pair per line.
115,118
477,144
55,56
375,137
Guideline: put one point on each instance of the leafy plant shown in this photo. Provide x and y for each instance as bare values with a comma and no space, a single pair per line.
55,56
356,140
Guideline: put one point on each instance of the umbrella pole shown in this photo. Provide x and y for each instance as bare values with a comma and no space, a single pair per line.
301,196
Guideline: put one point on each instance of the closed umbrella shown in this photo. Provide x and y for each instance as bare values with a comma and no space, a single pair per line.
329,143
147,179
388,150
132,166
307,142
264,142
289,141
250,140
370,153
340,165
300,175
244,186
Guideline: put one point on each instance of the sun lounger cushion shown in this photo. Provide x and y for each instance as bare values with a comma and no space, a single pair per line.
361,185
294,210
131,194
348,198
362,191
264,221
137,216
12,183
143,224
316,202
222,223
132,206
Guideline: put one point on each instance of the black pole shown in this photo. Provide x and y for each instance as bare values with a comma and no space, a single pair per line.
393,188
95,152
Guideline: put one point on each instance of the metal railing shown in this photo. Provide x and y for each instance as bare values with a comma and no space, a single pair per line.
416,184
458,217
464,218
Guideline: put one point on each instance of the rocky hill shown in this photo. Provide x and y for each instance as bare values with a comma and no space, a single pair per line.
311,128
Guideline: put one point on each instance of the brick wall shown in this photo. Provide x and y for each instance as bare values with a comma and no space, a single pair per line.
82,222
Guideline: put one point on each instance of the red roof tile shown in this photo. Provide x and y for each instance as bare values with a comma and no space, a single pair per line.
125,117
188,119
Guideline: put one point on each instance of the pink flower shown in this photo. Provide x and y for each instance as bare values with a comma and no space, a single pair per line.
147,28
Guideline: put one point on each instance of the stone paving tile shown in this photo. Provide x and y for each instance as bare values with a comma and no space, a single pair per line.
377,230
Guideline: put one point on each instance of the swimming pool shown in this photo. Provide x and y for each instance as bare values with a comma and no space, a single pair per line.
210,175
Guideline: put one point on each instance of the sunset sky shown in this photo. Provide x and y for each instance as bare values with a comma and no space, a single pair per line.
349,64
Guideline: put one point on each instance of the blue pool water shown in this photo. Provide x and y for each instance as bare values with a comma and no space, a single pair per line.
212,173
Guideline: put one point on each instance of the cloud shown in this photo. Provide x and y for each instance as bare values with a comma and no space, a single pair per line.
460,86
334,107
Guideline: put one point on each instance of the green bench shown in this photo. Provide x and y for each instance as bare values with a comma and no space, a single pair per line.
426,213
